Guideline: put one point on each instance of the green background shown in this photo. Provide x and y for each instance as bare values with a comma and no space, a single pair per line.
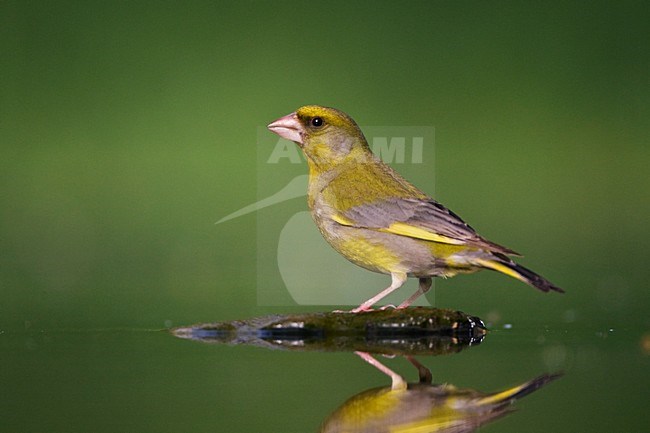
128,128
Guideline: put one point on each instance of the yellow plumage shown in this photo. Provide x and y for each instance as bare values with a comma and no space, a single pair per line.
378,220
423,407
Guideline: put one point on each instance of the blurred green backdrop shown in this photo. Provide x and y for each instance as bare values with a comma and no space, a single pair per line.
128,128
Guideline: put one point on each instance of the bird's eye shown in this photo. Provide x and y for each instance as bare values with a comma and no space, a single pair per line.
317,122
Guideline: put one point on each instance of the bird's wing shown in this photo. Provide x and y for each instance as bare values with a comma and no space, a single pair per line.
416,218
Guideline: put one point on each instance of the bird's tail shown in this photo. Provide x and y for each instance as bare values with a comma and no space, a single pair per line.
509,395
503,264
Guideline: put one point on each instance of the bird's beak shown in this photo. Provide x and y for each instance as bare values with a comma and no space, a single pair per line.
288,127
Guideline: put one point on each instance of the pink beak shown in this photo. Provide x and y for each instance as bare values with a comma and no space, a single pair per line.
287,127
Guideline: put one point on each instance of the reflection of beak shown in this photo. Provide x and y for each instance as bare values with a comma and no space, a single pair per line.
287,127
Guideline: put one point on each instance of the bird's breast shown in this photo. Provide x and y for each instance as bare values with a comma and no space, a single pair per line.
372,249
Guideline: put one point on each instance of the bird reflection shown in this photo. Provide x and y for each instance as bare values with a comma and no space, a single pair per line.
423,407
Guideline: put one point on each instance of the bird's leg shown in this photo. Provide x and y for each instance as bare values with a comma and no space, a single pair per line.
423,372
425,285
398,382
398,279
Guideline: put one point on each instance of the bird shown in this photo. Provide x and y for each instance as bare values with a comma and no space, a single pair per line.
378,220
423,406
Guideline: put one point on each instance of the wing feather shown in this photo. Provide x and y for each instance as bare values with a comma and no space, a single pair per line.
421,219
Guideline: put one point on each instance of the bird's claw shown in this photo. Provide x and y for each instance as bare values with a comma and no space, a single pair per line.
353,311
361,309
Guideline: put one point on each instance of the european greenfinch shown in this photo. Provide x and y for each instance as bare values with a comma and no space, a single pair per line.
378,220
423,407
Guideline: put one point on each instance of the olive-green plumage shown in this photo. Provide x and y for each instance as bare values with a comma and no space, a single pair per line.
424,407
378,220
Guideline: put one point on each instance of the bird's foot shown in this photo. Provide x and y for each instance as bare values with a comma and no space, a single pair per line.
364,309
403,305
355,310
361,309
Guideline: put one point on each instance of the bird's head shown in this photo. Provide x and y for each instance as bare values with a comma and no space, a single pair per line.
327,136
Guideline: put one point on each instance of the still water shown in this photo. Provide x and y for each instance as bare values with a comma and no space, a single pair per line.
139,380
127,129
